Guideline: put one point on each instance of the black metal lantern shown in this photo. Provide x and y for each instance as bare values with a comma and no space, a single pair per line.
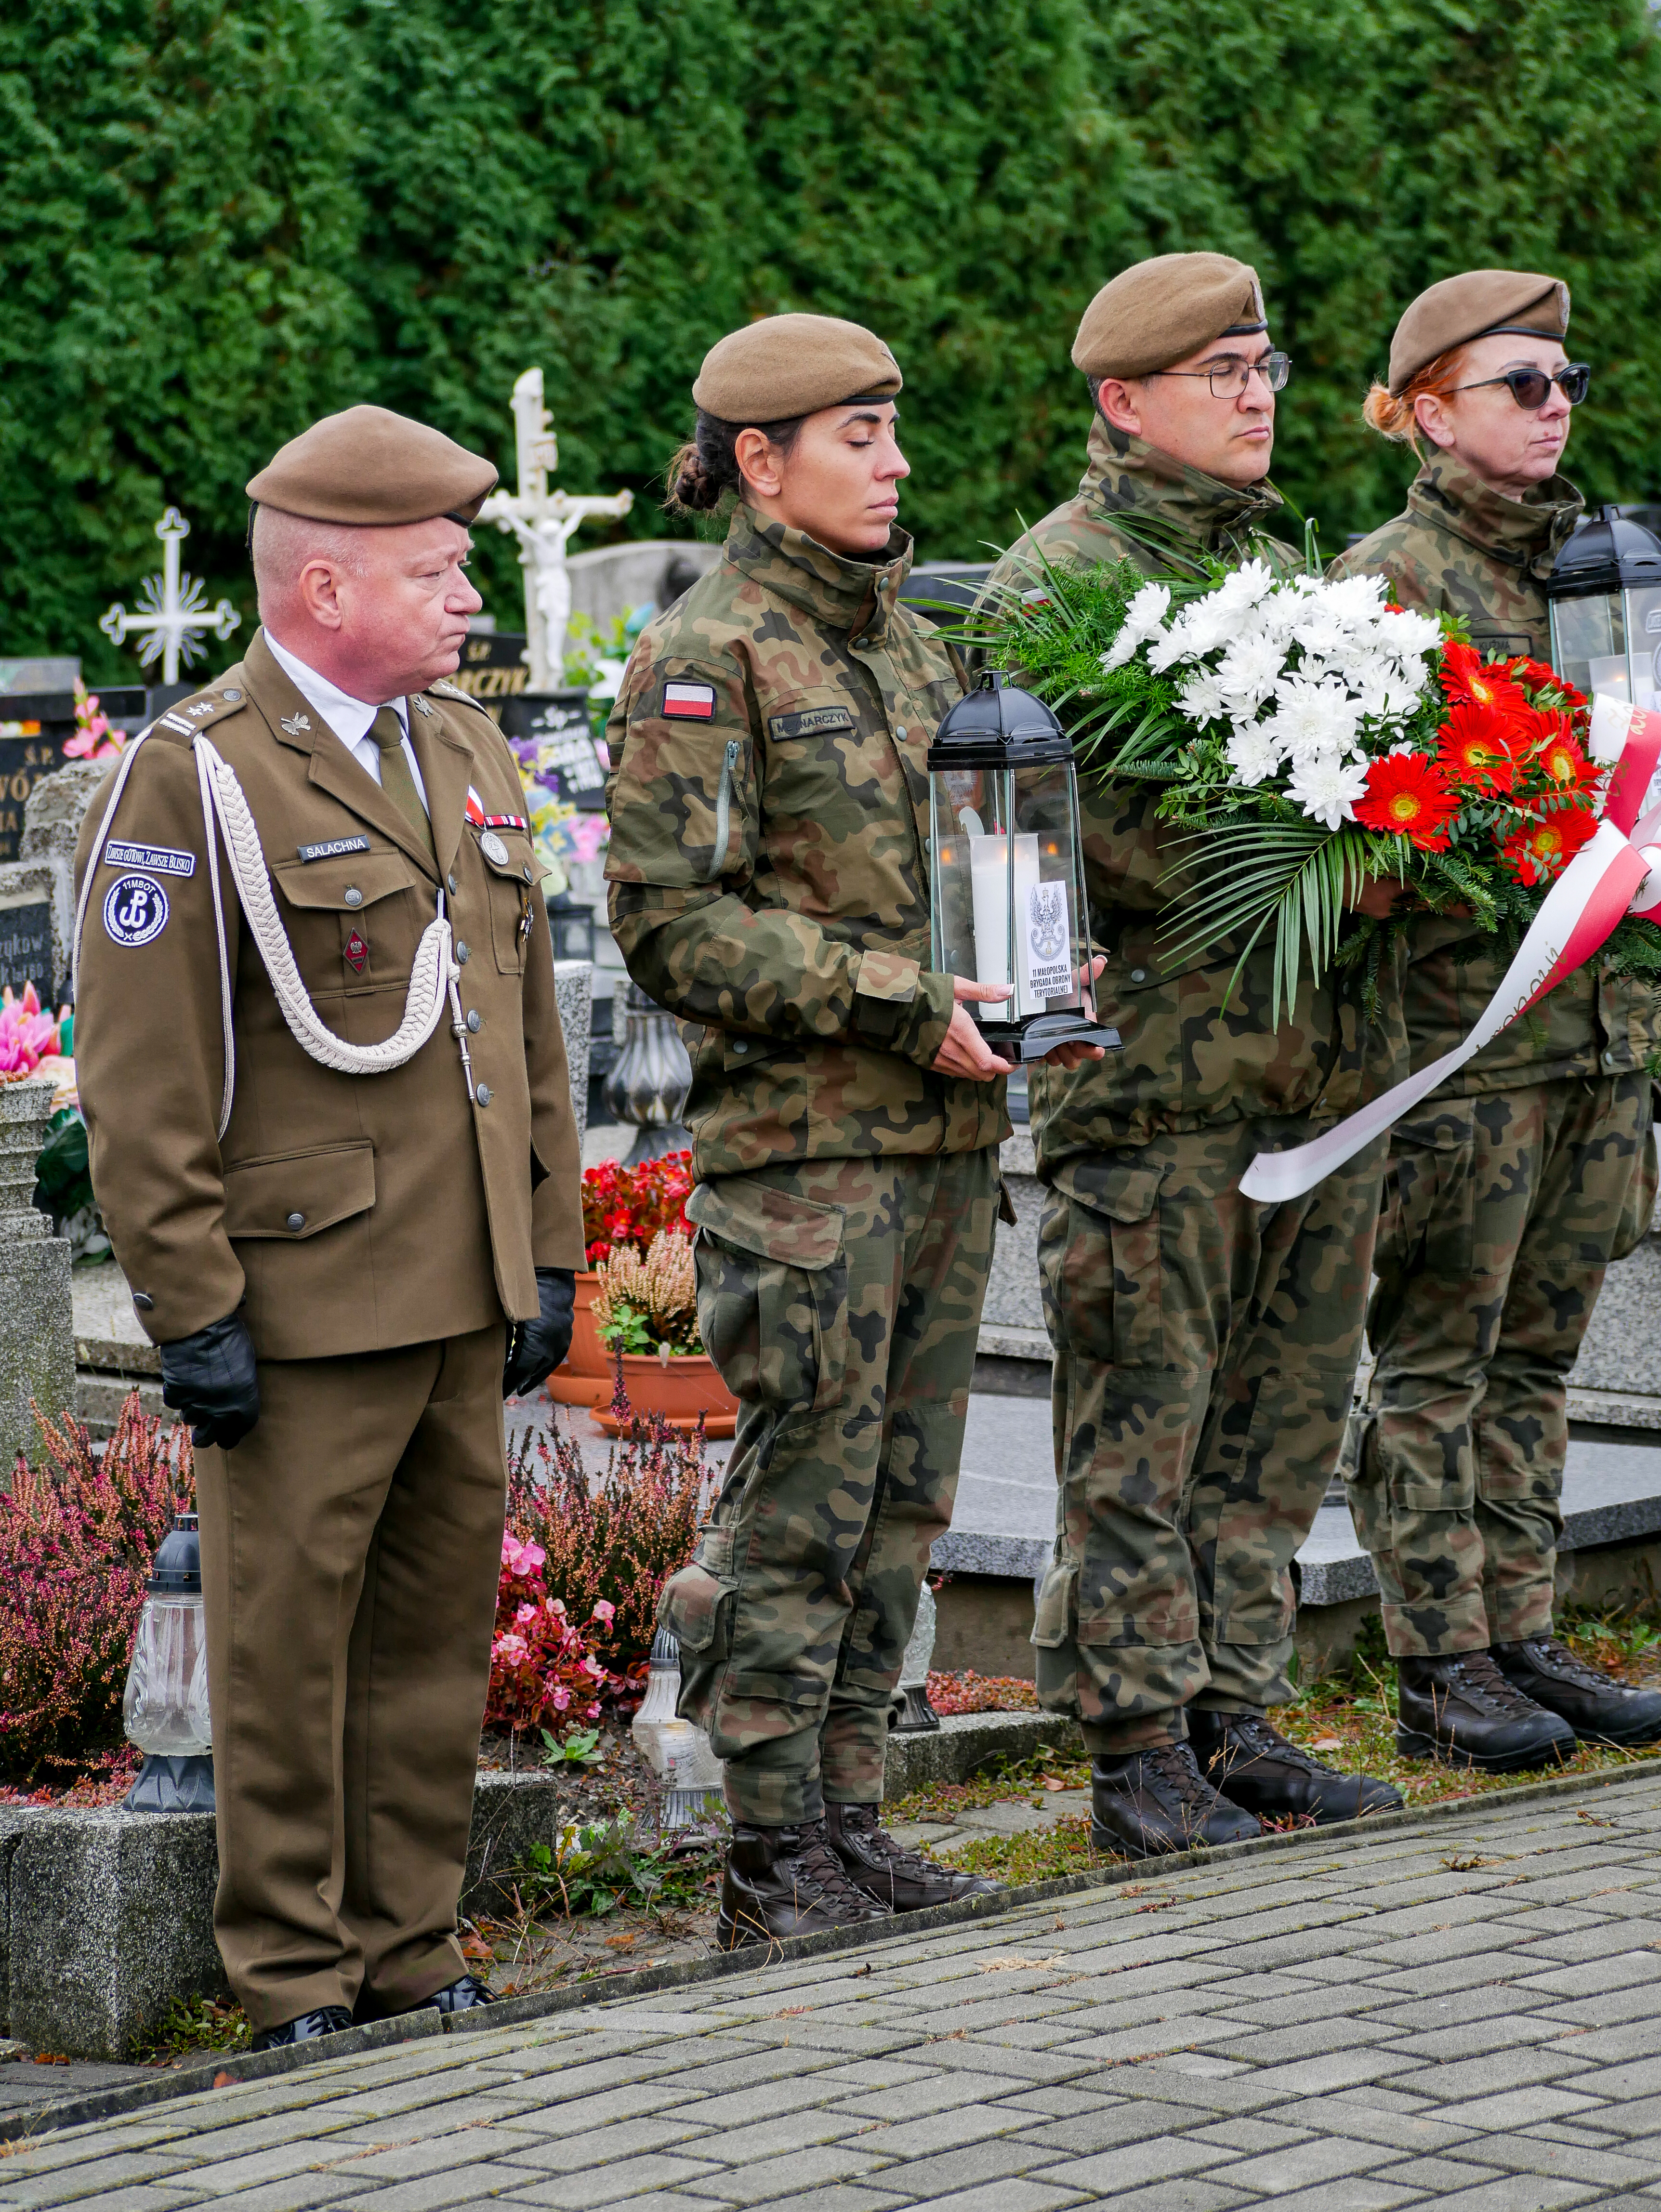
1006,871
165,1709
1604,593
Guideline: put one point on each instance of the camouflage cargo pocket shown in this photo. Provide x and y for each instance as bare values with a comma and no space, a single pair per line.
772,1292
1053,1638
697,1605
1113,1269
1432,1202
1638,1210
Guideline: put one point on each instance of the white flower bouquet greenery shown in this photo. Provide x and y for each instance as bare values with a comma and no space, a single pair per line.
1307,738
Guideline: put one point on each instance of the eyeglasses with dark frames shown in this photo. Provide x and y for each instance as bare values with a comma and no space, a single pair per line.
1229,379
1532,387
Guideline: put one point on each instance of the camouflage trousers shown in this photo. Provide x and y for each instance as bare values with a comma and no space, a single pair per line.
1205,1362
1500,1214
840,1301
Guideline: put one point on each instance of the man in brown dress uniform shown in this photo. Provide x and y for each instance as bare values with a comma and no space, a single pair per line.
332,1140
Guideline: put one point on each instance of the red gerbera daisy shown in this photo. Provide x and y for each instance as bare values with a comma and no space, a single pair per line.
1540,850
1409,795
1468,679
1559,757
1474,748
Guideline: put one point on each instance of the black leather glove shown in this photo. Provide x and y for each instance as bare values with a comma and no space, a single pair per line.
210,1378
536,1347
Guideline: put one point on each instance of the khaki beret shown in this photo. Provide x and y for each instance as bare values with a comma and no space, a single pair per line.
1155,311
369,465
790,365
1482,301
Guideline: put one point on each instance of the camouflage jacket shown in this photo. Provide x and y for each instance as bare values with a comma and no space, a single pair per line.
769,859
1187,1063
1463,548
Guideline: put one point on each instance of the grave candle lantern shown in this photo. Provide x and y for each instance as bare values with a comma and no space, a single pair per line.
165,1709
1604,594
1005,873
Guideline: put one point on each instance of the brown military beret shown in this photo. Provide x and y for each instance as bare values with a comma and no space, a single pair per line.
1475,305
790,365
1155,311
369,465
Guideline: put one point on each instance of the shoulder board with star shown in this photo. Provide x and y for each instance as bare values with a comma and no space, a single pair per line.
444,689
185,717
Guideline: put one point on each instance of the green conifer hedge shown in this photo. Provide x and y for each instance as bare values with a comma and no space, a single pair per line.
219,220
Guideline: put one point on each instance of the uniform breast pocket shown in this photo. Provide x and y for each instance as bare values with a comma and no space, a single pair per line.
509,873
824,773
355,918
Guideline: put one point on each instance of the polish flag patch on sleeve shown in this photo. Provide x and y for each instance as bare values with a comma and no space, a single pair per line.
688,702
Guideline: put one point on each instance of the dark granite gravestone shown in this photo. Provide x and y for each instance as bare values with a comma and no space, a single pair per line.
35,727
27,950
492,668
555,731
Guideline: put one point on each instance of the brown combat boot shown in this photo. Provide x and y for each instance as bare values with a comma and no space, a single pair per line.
904,1881
786,1882
1148,1802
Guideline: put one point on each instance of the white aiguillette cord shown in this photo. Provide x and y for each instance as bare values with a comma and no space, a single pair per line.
432,977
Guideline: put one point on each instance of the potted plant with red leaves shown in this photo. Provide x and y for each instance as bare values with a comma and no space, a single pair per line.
622,1208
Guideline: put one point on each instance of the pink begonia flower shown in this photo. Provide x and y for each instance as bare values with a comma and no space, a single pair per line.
593,1712
604,1611
561,1698
510,1647
520,1559
591,1666
525,1614
556,1604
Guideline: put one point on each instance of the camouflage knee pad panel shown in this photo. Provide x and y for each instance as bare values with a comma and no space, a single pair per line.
1502,1213
842,1302
1205,1359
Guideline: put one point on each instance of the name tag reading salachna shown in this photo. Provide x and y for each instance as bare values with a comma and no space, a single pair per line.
331,847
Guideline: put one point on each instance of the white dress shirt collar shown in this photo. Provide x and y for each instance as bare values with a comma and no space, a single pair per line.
349,718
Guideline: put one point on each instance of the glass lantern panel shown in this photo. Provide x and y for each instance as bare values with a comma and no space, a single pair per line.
1588,644
968,814
1049,946
165,1708
1642,612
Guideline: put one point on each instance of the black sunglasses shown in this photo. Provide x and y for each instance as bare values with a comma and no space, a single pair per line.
1532,387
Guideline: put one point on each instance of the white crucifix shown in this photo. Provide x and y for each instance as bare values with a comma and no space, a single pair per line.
545,522
172,612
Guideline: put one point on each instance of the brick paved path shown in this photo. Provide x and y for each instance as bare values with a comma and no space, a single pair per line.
1459,2012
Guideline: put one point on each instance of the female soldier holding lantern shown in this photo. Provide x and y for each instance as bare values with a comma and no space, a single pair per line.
769,872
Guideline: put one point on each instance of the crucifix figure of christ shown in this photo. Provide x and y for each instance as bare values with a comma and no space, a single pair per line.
545,522
172,612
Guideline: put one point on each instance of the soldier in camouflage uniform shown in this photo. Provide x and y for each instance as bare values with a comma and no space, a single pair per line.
769,884
1205,1346
1513,1185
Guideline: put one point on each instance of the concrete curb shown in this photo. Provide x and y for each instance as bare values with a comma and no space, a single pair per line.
227,2071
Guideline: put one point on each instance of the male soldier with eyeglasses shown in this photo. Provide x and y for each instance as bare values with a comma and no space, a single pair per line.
1205,1346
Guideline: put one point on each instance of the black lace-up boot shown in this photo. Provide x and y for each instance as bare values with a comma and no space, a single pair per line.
905,1881
1156,1801
1461,1709
1257,1768
786,1882
1596,1707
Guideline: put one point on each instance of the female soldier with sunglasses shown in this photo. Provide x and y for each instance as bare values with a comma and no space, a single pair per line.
1513,1185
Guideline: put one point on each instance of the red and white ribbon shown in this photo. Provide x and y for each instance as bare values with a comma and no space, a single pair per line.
1617,871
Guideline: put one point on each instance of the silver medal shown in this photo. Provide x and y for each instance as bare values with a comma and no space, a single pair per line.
493,848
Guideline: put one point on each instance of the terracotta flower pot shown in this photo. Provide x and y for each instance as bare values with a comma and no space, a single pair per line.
585,1377
681,1389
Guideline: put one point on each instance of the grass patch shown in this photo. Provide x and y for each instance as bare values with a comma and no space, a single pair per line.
193,2024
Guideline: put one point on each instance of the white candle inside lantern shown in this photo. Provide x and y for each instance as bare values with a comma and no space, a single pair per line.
989,873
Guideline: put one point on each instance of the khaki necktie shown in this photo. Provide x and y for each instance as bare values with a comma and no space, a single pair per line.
396,780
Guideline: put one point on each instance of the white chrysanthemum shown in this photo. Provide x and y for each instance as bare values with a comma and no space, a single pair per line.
1244,586
1407,634
1206,623
1356,598
1143,619
1201,697
1326,785
1311,718
1322,632
1249,670
1251,753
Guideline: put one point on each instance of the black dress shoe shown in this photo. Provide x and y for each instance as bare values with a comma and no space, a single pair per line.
786,1882
1599,1709
462,1996
1257,1768
905,1881
1157,1801
327,2020
1460,1708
